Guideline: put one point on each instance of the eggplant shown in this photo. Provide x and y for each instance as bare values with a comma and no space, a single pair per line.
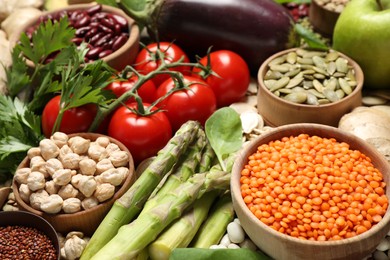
255,29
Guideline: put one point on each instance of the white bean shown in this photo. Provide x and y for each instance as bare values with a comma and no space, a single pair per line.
379,255
236,220
384,245
218,247
247,243
236,232
225,241
233,246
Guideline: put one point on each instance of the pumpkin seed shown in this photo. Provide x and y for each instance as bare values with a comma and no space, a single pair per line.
345,86
319,62
341,65
331,56
312,99
306,61
340,93
331,84
280,68
318,86
281,83
270,83
292,73
319,70
277,61
311,54
316,93
291,57
300,52
294,82
285,91
323,101
273,75
319,76
331,67
296,97
331,95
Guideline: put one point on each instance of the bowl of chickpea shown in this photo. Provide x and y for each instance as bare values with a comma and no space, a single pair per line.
305,190
73,180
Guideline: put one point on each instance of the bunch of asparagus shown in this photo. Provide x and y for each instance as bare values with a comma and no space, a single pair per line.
174,202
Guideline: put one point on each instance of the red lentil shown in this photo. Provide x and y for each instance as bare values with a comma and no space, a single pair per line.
19,242
319,188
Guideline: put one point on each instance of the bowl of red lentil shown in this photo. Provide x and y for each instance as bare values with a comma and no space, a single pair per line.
110,34
304,191
24,235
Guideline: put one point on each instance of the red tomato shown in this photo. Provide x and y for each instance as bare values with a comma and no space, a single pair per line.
75,120
147,91
196,103
144,136
233,77
148,61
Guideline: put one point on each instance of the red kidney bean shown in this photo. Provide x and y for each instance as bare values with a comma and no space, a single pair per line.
119,42
83,21
80,32
93,53
120,20
77,41
104,53
91,33
94,9
108,23
105,29
106,38
95,38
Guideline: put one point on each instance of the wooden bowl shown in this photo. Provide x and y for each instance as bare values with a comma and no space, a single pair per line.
282,246
277,111
322,19
27,219
87,220
119,59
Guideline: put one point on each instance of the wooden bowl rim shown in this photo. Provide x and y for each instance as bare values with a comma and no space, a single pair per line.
134,32
122,190
342,136
358,74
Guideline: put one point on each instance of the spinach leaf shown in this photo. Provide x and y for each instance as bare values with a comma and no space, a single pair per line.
224,131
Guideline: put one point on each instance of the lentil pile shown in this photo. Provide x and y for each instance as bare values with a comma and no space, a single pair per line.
313,188
19,242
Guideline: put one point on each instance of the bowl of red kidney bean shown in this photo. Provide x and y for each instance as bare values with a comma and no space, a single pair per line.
110,34
24,235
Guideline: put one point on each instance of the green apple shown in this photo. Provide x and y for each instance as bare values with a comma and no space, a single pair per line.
362,32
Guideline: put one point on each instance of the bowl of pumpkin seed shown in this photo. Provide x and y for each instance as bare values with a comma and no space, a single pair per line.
301,85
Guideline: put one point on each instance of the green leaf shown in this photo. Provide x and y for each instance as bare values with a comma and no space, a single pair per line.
17,77
310,38
224,131
11,145
47,39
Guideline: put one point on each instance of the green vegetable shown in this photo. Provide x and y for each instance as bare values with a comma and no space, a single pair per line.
216,254
182,171
213,229
224,132
20,129
310,38
126,208
148,226
181,232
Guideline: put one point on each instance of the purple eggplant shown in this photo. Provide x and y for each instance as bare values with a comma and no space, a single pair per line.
255,29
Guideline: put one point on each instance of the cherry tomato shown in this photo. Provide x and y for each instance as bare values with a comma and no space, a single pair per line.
147,60
147,91
233,77
144,136
74,120
197,102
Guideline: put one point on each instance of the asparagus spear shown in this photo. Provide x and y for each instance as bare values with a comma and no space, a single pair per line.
134,237
182,171
213,229
182,231
130,204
